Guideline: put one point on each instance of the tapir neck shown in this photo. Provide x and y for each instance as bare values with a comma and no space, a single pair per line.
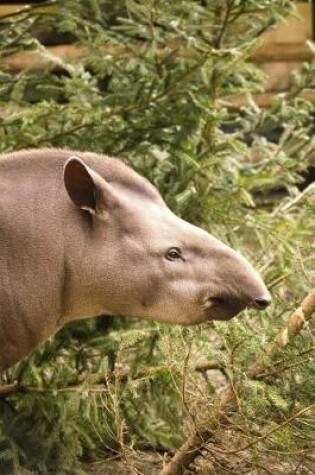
83,295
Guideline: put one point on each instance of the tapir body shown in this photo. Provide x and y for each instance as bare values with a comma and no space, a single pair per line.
82,234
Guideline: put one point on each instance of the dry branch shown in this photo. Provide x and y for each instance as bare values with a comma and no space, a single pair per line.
206,365
192,447
8,389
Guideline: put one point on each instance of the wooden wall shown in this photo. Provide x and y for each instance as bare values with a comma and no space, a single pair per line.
283,51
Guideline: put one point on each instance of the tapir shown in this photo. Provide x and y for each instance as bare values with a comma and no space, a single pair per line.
82,234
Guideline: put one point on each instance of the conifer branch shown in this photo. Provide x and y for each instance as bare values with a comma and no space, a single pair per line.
94,382
295,324
192,447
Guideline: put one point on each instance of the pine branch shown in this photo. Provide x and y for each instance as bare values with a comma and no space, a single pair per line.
225,23
197,439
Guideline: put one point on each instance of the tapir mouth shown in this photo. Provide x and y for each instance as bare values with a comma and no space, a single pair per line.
219,308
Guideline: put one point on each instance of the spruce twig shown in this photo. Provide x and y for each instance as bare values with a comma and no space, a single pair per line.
192,447
94,382
295,324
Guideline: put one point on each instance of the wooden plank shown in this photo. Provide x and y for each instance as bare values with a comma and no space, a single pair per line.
296,28
7,9
282,52
263,100
37,61
279,75
14,8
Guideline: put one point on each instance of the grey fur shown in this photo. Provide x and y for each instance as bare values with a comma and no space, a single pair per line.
86,235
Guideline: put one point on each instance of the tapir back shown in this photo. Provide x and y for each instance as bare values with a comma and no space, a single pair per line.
31,256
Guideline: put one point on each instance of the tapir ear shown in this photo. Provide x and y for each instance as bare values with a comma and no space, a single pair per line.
86,188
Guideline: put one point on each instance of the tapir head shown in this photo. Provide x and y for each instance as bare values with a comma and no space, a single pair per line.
144,261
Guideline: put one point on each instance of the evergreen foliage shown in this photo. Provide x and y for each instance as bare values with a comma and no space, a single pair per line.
154,89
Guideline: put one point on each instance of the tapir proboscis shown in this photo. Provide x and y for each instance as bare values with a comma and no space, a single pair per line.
82,235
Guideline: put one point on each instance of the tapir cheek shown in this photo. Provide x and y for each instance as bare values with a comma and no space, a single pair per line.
150,292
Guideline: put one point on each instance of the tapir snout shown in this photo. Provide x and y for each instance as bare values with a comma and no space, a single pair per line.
245,289
227,282
83,235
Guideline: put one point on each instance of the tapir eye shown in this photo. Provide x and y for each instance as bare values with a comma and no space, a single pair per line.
173,254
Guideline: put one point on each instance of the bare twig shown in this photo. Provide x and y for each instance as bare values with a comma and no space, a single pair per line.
206,365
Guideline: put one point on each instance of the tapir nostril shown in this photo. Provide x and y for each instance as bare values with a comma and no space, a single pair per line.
262,302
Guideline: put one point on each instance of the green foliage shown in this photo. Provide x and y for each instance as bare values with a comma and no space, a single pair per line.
154,89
